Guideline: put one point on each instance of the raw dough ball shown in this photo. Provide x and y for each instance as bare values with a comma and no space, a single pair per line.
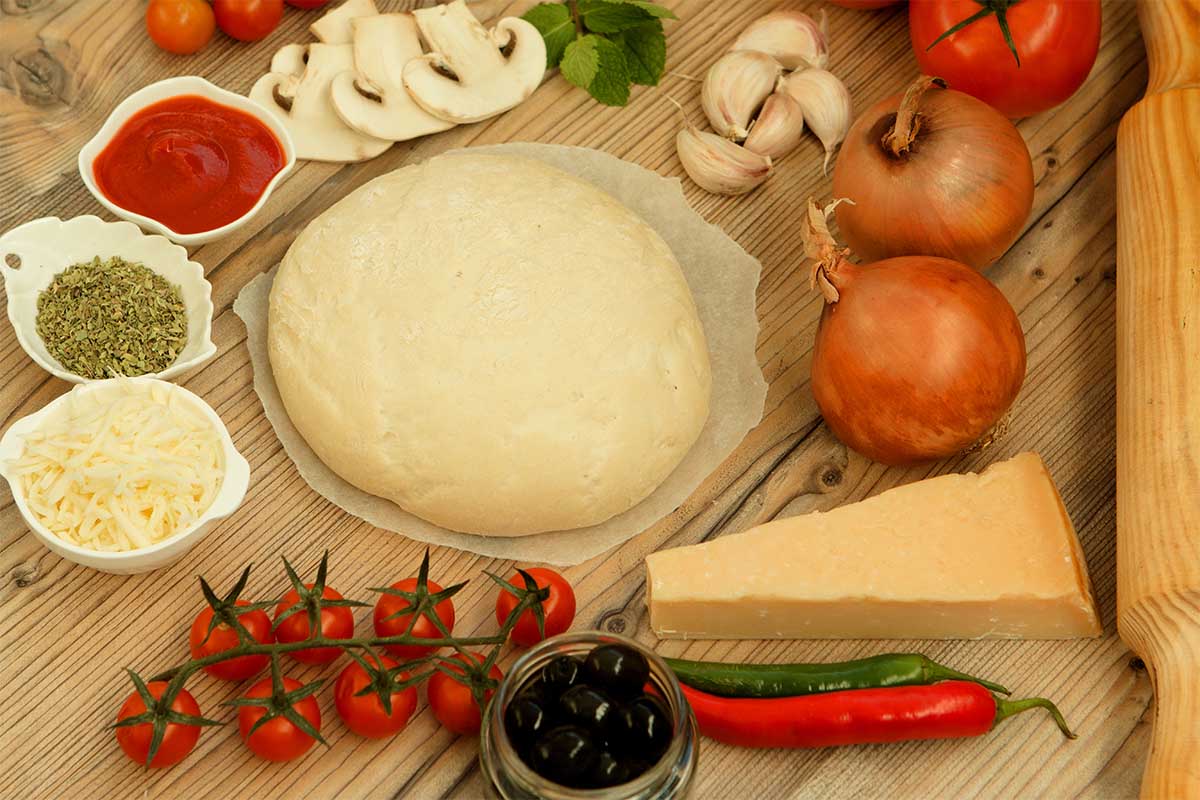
495,345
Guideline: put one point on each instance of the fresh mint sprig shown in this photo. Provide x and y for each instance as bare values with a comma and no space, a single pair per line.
604,46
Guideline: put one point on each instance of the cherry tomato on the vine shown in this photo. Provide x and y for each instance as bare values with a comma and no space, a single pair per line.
452,702
180,26
336,623
223,637
1056,42
389,604
365,714
248,20
179,738
558,608
278,739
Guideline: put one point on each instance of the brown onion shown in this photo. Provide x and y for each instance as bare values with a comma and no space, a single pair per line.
937,174
916,357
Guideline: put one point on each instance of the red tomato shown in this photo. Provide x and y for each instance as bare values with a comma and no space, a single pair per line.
224,637
179,738
558,608
365,715
180,26
1056,41
452,702
279,739
389,604
306,4
248,20
336,623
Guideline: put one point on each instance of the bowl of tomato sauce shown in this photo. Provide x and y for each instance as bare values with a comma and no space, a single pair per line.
187,159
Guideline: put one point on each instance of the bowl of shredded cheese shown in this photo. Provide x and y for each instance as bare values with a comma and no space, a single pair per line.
123,475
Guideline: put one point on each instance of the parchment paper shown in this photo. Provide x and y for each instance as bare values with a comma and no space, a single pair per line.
723,279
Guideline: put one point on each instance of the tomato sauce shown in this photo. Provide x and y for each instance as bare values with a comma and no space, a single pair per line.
190,163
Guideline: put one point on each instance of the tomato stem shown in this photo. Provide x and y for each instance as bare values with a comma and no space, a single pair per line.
997,7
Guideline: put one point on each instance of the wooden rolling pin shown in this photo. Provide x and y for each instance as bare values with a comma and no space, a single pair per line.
1158,389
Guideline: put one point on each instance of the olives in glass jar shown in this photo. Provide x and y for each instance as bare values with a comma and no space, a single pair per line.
590,723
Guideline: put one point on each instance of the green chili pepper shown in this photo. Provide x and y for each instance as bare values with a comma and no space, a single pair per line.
787,680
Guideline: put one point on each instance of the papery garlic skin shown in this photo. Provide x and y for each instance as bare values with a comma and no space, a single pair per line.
792,38
718,165
735,87
778,128
825,102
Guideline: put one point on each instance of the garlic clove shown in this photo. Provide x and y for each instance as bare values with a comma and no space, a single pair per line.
718,165
735,87
792,38
778,128
825,103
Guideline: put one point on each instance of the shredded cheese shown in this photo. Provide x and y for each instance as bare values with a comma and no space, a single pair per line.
121,467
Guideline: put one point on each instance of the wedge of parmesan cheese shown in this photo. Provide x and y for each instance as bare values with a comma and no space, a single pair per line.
952,557
120,467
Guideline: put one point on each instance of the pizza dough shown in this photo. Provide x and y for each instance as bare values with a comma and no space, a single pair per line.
494,345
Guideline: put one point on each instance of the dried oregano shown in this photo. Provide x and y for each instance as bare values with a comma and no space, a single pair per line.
102,319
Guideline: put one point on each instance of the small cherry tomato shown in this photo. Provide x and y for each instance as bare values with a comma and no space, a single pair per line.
390,604
223,637
179,738
558,608
248,20
365,714
336,623
452,702
278,739
180,26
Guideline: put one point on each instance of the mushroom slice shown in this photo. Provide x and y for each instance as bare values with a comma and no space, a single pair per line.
302,105
290,59
334,27
483,81
373,100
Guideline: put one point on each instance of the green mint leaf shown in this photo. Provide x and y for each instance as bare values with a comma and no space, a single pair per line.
599,16
653,9
645,48
611,84
553,21
581,61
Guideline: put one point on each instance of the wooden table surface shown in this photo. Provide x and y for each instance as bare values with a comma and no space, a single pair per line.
66,632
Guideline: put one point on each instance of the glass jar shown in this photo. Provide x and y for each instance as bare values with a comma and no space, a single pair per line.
507,777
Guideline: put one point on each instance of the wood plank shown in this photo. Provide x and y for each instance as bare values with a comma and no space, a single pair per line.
66,632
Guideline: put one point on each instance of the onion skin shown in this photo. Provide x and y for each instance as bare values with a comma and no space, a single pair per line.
963,190
917,359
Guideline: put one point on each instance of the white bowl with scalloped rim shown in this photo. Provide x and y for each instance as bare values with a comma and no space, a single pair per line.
45,247
234,482
162,90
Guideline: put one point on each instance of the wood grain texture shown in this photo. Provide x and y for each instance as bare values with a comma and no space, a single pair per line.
1158,390
67,632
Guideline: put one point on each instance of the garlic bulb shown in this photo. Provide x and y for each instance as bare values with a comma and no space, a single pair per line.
778,128
792,38
825,103
734,88
718,165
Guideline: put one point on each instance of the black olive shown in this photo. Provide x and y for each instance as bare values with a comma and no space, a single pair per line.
534,689
618,669
589,708
565,755
646,727
524,720
560,674
609,771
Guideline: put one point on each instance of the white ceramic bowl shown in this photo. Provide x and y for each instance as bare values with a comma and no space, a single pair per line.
49,245
229,496
174,87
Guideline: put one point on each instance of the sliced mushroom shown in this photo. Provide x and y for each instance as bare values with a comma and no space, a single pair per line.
302,105
334,27
483,81
289,59
372,99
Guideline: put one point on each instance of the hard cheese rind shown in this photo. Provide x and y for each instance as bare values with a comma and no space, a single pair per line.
989,555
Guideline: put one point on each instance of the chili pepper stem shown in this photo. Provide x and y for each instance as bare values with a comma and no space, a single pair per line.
937,672
1007,708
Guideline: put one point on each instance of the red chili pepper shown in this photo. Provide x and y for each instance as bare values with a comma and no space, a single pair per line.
946,710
